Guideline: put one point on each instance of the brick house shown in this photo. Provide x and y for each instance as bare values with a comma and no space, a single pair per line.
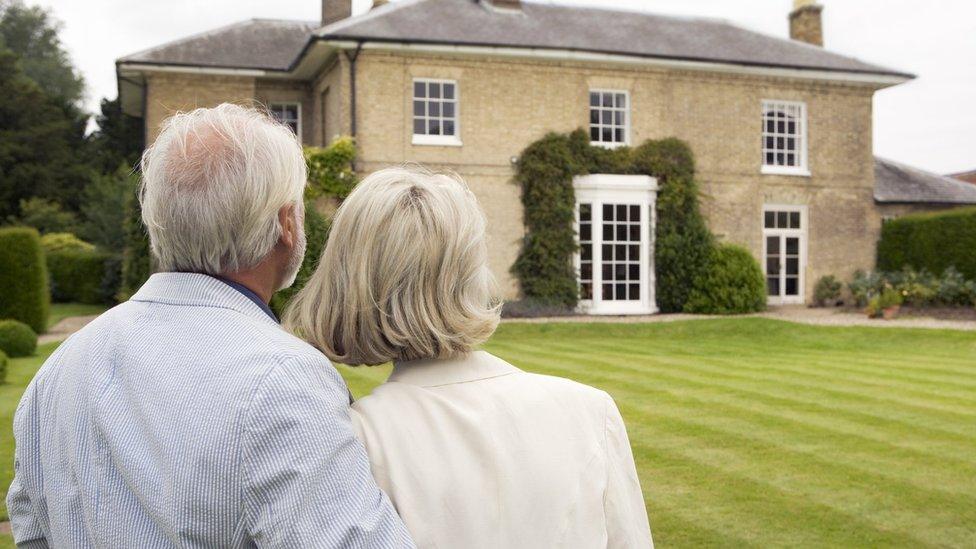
781,129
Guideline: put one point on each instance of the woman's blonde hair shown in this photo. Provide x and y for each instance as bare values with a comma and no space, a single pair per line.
404,275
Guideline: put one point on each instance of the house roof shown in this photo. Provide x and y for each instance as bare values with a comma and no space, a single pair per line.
898,183
549,26
969,177
264,44
278,45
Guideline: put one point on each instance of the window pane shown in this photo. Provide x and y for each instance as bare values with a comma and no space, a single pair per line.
586,291
608,232
618,135
622,232
607,271
621,212
607,212
586,232
634,272
434,108
586,252
781,220
793,266
434,127
794,220
635,233
619,252
607,135
633,252
791,286
772,286
772,245
594,99
770,222
608,292
595,133
635,213
419,126
586,271
448,109
620,272
618,118
607,251
434,89
607,100
606,117
586,212
772,265
418,108
621,100
634,292
448,91
792,246
621,292
594,116
419,89
448,127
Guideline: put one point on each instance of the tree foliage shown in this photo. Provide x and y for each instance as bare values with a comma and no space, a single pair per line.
118,141
104,208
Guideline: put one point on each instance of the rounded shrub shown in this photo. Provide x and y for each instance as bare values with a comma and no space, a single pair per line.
24,293
57,242
17,339
733,283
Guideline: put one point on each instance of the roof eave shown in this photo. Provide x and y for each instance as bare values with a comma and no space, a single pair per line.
878,79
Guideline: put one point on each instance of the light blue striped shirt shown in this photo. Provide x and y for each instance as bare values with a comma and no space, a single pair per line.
187,417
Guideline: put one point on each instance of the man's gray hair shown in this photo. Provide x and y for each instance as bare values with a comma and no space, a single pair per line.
212,185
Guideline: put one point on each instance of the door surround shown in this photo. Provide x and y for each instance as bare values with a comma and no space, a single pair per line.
782,233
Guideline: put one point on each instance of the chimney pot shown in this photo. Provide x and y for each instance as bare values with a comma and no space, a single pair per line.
335,10
806,22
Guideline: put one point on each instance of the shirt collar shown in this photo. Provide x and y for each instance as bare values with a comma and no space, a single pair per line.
250,295
199,290
463,369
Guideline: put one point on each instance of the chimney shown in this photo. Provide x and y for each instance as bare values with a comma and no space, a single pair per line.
335,10
806,22
506,5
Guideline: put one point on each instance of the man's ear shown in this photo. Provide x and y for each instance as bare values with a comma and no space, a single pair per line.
287,217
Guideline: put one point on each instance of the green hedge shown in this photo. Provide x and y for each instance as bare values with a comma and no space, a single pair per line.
545,172
84,276
17,339
733,283
23,278
3,366
931,242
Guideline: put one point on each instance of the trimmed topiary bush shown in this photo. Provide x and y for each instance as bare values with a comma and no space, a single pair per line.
84,276
56,242
3,366
24,293
17,339
733,283
930,242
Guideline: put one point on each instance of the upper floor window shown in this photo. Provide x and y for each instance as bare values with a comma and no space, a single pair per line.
784,138
609,117
289,114
435,112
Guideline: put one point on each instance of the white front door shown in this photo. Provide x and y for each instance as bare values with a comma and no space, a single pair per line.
615,224
784,253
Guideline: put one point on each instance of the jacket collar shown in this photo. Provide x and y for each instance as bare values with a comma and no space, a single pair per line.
200,290
463,369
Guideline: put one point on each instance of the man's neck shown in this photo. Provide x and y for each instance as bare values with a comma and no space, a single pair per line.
259,283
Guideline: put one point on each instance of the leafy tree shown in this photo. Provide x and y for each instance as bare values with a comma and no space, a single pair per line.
104,208
32,34
46,216
118,139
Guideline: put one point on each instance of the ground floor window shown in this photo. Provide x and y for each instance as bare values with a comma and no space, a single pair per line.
615,224
288,114
784,252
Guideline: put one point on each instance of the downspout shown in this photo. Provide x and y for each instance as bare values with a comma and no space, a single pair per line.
352,56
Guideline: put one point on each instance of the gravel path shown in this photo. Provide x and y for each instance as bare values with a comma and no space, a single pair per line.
66,327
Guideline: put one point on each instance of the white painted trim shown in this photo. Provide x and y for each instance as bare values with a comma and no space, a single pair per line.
803,234
627,123
437,140
804,168
563,55
596,189
138,67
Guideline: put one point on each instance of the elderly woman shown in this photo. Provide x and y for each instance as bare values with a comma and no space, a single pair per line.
473,451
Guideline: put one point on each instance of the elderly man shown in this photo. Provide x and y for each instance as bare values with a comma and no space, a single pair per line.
186,416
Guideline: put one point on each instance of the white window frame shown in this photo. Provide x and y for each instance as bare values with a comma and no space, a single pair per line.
627,109
600,189
298,113
802,152
437,140
803,233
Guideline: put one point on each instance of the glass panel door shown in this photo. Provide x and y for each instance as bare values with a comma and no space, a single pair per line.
783,255
621,252
773,262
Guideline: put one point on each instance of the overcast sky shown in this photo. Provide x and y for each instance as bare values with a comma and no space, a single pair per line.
930,122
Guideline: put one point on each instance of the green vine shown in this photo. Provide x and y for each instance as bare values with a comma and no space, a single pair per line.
545,172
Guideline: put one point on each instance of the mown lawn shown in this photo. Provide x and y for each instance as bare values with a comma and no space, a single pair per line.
753,432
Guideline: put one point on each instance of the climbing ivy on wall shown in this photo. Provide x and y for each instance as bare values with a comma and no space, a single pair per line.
545,172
